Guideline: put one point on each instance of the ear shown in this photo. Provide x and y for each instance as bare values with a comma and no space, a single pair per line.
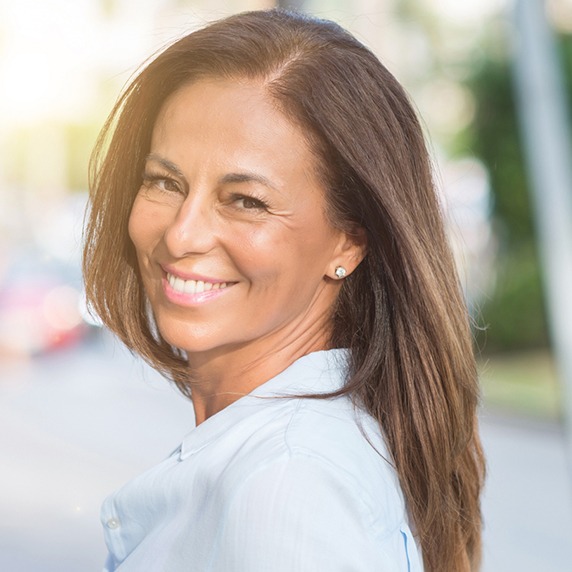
350,251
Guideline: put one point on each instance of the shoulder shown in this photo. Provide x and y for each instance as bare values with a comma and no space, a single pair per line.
314,495
311,447
345,440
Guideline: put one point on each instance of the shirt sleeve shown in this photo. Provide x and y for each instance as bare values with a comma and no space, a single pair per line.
301,514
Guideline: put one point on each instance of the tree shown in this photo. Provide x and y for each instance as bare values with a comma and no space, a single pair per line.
515,310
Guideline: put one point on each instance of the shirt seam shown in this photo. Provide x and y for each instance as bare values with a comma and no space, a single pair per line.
286,455
350,481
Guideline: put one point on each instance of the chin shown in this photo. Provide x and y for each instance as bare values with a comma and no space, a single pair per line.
188,339
184,342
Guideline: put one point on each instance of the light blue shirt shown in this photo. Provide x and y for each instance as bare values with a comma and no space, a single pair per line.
269,484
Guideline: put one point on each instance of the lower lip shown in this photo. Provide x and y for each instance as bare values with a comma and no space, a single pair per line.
184,299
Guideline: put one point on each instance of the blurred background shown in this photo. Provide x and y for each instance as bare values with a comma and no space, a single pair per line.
79,416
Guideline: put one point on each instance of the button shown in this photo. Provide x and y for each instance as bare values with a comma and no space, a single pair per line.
112,523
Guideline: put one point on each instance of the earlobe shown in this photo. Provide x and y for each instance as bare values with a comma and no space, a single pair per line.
352,250
340,272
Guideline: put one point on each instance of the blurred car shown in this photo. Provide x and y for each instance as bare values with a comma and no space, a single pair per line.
40,305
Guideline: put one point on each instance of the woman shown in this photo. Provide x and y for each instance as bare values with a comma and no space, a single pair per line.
264,230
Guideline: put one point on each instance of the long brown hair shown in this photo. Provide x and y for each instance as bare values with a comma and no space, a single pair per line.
401,313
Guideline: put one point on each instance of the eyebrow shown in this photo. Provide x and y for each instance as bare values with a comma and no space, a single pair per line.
166,164
245,177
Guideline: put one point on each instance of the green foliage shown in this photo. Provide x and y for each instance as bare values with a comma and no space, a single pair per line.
496,141
514,316
515,313
565,45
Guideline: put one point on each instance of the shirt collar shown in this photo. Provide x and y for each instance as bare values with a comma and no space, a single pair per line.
317,372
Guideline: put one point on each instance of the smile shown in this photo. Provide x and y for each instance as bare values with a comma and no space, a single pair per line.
193,286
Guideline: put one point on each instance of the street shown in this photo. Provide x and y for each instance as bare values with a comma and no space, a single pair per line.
77,424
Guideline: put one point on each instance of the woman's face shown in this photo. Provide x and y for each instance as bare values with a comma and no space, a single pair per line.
233,242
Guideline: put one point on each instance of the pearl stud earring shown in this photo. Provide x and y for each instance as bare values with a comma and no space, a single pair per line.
340,272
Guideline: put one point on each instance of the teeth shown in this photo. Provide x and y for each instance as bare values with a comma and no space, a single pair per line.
193,286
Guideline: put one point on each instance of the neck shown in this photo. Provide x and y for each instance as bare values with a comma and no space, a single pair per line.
221,377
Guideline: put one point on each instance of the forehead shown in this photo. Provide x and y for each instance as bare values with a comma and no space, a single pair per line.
235,120
239,104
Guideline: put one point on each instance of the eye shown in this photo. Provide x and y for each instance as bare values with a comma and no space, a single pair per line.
160,182
249,203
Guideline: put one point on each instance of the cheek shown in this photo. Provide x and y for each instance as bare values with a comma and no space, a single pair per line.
285,253
145,226
264,252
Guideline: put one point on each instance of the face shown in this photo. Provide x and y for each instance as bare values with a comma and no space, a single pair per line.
229,225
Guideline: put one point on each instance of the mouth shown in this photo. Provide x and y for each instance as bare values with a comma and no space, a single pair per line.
194,286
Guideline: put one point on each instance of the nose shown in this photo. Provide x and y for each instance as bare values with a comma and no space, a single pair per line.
193,229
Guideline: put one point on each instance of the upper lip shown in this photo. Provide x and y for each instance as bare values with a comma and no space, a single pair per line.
192,276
